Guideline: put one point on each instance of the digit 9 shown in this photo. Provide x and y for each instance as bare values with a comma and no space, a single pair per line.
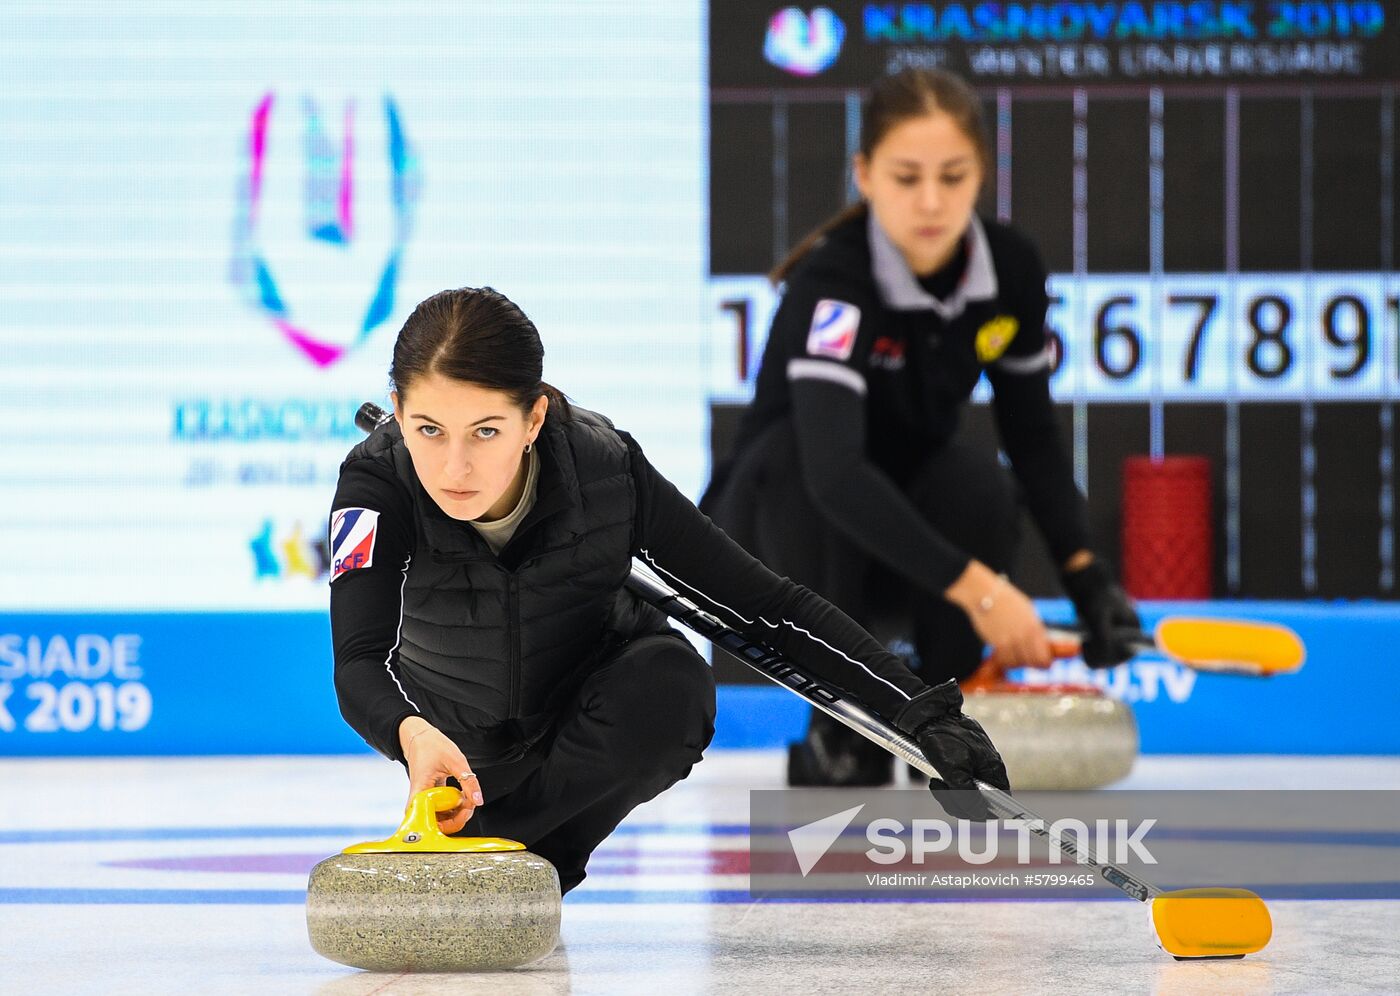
1346,324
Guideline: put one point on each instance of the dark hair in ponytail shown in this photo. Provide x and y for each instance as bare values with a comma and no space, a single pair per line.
477,335
909,93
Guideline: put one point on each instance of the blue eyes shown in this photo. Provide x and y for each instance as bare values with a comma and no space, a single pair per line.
433,432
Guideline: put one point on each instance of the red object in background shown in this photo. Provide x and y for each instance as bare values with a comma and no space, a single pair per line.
1168,532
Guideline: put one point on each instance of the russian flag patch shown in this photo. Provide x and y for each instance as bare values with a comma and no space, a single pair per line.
833,333
352,539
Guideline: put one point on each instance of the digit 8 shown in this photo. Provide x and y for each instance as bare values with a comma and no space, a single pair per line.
1275,334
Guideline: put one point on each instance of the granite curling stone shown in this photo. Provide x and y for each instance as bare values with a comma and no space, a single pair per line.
1056,736
422,901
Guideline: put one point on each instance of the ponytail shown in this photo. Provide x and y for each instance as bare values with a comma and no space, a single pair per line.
559,406
783,270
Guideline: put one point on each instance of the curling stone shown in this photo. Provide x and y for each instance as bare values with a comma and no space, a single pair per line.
422,901
1054,736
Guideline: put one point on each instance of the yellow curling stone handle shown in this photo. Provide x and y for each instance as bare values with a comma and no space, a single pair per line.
419,832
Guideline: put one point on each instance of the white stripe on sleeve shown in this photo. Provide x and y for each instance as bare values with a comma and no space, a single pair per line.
1043,360
784,622
805,369
398,638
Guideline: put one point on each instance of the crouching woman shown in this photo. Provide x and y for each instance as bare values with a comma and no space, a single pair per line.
483,635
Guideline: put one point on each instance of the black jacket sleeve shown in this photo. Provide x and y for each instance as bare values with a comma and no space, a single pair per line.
1026,421
857,497
828,391
693,555
368,572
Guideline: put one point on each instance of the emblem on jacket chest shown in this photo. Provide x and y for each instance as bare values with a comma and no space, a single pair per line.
994,337
887,353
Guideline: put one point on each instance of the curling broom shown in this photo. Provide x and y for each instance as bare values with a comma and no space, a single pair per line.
1188,923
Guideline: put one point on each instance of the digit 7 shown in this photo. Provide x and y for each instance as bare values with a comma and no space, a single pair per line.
1207,303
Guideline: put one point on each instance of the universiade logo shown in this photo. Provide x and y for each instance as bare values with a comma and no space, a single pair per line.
330,203
804,44
894,842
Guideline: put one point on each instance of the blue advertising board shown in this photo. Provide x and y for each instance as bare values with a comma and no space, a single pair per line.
1343,701
242,683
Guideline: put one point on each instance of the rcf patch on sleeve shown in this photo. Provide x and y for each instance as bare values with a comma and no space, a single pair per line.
833,332
352,539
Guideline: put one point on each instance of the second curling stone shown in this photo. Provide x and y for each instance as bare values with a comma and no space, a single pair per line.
1056,736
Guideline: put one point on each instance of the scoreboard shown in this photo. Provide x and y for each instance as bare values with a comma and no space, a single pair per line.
1171,337
1212,187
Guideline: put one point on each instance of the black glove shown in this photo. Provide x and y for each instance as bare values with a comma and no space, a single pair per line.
1105,611
957,746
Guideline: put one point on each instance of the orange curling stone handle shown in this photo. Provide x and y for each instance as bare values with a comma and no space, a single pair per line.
1062,646
419,832
1004,687
991,676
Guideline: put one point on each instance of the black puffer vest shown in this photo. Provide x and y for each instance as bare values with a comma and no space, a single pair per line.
500,643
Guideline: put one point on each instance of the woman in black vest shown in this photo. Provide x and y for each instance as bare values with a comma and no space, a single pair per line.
483,636
848,477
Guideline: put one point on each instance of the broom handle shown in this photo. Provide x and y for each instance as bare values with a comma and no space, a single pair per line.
772,665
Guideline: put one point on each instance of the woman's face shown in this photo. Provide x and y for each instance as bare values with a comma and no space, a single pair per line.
467,444
922,182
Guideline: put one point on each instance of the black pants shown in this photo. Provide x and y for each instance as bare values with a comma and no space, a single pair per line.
637,725
962,492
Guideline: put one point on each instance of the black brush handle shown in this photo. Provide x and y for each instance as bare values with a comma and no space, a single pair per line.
371,416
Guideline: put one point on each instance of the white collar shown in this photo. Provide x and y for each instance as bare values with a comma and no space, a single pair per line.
901,290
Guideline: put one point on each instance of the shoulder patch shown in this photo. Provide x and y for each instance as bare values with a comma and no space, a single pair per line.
352,539
833,332
994,337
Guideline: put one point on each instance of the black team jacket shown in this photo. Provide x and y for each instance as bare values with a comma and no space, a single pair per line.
426,620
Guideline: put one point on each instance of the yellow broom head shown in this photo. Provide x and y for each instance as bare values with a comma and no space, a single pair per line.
1228,645
1211,923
